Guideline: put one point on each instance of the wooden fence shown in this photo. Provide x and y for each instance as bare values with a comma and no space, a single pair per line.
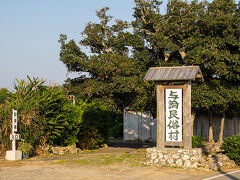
142,126
231,126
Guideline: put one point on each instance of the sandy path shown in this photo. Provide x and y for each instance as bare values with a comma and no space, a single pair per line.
49,168
34,171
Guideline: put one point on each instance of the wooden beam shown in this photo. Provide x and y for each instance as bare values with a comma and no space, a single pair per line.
180,144
160,116
173,86
187,137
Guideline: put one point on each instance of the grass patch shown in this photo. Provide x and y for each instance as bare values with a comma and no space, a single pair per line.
81,161
77,161
132,159
127,156
60,162
89,151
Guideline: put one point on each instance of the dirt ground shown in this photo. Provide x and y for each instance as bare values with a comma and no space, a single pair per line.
109,163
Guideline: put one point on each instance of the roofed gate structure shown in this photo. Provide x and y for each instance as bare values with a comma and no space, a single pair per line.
180,73
174,116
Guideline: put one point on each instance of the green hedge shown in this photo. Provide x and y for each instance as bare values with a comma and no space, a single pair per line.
45,114
197,140
231,147
89,138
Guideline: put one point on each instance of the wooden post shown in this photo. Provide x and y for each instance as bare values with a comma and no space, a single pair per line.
210,131
193,116
160,117
220,139
187,134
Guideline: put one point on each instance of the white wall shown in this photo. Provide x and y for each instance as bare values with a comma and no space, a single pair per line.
138,125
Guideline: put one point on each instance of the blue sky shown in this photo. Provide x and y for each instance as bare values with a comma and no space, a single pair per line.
29,32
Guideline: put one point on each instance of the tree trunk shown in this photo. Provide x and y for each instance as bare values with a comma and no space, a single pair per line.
210,136
220,139
193,118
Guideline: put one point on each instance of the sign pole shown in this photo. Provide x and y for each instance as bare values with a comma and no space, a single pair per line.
14,128
14,154
13,145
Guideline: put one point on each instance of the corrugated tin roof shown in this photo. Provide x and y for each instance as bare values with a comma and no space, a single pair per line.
173,73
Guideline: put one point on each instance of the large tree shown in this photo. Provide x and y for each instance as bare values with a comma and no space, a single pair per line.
109,72
197,33
189,33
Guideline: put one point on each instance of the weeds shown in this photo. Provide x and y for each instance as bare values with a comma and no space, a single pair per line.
132,159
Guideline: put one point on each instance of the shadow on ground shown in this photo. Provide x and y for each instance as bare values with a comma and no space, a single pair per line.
129,144
229,176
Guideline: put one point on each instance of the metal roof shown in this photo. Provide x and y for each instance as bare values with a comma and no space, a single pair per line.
173,73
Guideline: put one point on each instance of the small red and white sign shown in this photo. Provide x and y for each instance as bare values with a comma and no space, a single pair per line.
15,136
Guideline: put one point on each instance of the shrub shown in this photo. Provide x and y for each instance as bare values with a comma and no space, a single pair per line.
89,138
26,98
60,117
116,130
231,147
5,127
3,95
26,148
43,112
107,122
98,122
197,140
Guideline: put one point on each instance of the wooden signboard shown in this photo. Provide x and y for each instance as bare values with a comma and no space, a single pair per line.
174,104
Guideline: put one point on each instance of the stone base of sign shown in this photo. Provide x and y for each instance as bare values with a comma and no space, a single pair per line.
13,155
174,157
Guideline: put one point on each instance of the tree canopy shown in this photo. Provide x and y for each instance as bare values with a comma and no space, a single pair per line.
189,33
114,75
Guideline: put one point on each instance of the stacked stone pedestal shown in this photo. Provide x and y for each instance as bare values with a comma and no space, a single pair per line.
174,157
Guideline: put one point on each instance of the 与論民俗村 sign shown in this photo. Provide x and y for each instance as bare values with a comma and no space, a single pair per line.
173,102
